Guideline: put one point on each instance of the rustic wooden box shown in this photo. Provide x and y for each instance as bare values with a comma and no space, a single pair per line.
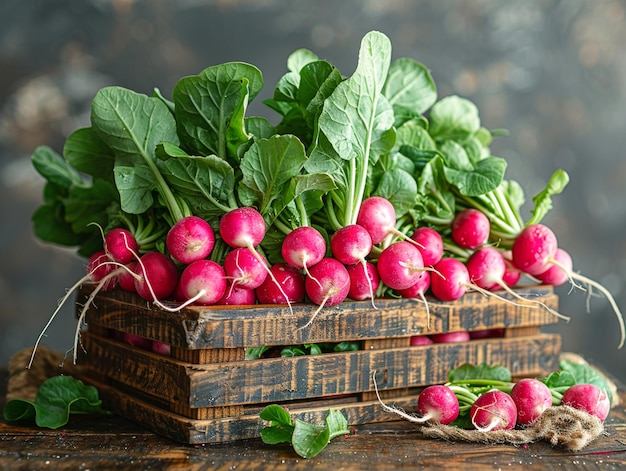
206,391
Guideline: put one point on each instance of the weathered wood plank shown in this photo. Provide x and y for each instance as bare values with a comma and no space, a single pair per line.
281,379
224,326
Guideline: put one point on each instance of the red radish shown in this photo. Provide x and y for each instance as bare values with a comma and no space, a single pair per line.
494,410
99,266
189,239
126,278
289,279
137,341
236,295
430,244
400,265
351,244
438,404
470,228
161,348
531,398
120,245
378,216
303,247
417,340
512,274
244,269
327,285
534,248
589,398
418,290
157,276
450,280
557,274
451,337
495,332
245,227
204,281
364,281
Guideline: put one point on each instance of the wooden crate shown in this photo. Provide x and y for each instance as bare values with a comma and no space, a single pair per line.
207,391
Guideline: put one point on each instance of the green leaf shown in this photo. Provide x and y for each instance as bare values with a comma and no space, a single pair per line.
453,118
281,427
87,153
336,423
586,374
409,86
309,440
400,188
482,371
55,168
57,398
543,201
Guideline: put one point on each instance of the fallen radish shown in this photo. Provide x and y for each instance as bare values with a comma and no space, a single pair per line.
589,398
470,228
531,398
493,410
189,239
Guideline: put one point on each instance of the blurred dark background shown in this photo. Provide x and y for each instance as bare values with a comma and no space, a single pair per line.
551,72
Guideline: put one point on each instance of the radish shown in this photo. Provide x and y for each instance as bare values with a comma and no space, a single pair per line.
512,274
558,273
436,404
451,337
589,398
450,280
470,228
204,281
378,216
137,341
535,250
327,285
126,278
189,239
99,269
244,269
236,295
417,340
494,410
245,227
291,283
430,244
492,333
364,281
418,290
161,348
400,265
156,276
351,244
531,398
303,247
120,245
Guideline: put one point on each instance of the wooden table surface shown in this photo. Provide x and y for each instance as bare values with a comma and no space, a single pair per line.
89,443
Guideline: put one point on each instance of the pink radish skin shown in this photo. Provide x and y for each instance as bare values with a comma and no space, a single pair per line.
450,280
329,282
137,341
451,337
242,227
419,288
120,244
360,287
531,398
418,340
400,265
557,275
303,247
161,348
126,279
487,333
98,267
190,239
236,295
157,276
470,228
351,244
430,244
243,268
494,410
378,216
437,404
204,281
589,398
533,249
291,281
486,268
512,274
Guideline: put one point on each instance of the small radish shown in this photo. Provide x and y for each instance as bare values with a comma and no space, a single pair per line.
204,281
430,244
450,280
494,410
364,281
236,295
492,333
400,265
157,276
351,244
303,247
189,239
98,269
289,279
589,398
161,348
417,340
512,274
470,228
531,398
327,285
558,273
243,268
378,216
534,248
126,278
245,227
451,337
120,245
137,341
